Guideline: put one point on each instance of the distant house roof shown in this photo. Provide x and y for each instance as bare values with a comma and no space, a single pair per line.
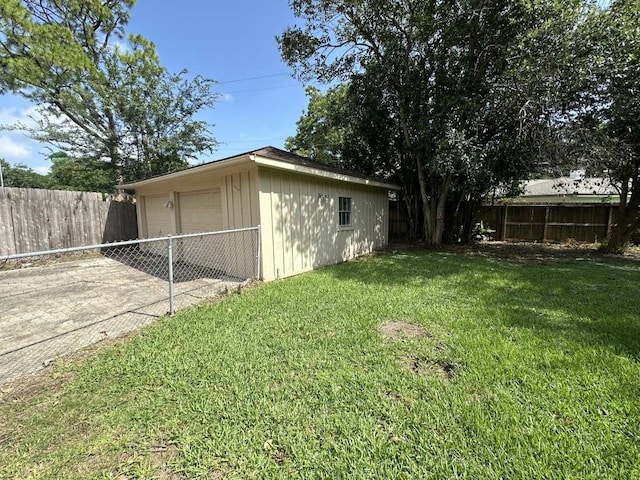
276,158
568,186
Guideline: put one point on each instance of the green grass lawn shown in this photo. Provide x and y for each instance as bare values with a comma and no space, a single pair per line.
527,368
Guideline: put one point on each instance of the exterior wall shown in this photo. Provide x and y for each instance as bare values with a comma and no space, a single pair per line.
299,217
159,214
238,190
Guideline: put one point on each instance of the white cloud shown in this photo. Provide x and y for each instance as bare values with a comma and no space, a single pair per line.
10,149
227,98
42,170
13,115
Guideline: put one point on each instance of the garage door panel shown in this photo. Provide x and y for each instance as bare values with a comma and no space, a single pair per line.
158,222
200,211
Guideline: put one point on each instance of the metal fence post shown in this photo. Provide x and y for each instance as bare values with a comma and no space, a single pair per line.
170,260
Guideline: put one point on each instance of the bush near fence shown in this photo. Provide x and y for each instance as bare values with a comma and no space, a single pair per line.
35,219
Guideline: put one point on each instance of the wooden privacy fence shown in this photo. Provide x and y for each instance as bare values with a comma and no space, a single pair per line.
33,219
398,221
554,223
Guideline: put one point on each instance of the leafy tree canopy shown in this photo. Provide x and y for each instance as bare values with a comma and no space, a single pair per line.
21,176
459,94
97,100
87,175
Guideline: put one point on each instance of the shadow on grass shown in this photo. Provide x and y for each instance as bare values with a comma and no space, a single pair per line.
580,296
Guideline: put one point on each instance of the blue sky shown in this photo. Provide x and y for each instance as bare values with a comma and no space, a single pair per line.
231,42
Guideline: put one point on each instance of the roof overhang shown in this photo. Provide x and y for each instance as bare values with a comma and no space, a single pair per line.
230,162
262,162
316,172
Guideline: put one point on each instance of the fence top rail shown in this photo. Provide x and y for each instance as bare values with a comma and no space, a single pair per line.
122,244
553,204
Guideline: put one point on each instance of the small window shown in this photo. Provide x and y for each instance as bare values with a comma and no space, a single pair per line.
344,211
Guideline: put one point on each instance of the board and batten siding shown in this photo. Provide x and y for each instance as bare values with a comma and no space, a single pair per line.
223,199
238,193
299,218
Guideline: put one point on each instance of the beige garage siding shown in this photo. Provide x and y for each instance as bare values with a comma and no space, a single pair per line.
299,217
236,200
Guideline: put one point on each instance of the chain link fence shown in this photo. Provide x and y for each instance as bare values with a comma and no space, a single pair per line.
57,302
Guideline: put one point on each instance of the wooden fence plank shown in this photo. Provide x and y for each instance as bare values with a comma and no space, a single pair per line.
555,223
32,220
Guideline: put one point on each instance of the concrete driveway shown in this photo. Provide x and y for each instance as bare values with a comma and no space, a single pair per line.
46,311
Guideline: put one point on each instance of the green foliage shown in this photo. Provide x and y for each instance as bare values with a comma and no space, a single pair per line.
322,128
98,100
293,380
604,131
21,176
86,175
458,95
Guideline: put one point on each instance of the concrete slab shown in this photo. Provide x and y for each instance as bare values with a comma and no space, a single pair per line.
46,311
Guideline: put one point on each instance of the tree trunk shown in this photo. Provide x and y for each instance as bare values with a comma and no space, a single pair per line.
434,212
628,217
628,223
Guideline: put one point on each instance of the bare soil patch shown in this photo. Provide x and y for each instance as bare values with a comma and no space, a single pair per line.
431,367
397,330
524,252
541,252
46,260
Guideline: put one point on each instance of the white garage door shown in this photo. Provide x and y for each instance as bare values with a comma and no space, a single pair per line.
200,211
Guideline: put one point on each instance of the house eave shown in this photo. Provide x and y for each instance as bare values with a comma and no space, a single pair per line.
231,162
316,172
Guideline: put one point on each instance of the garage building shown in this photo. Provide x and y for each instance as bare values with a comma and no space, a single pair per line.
311,214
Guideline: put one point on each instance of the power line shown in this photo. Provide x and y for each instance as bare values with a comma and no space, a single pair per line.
261,89
247,79
248,140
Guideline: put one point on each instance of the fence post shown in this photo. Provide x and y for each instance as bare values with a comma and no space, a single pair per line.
170,260
258,254
503,232
545,229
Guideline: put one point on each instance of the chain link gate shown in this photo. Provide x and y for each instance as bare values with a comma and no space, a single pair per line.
58,301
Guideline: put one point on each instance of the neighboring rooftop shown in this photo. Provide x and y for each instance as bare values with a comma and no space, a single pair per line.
569,186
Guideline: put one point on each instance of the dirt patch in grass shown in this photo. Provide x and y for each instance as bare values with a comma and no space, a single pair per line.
29,386
522,251
431,367
161,457
527,252
397,330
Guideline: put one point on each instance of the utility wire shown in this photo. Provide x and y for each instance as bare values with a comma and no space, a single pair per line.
261,89
247,79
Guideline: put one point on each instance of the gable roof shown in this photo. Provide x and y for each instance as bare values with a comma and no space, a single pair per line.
275,158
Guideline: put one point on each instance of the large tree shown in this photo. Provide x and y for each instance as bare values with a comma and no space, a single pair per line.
604,125
99,100
467,86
